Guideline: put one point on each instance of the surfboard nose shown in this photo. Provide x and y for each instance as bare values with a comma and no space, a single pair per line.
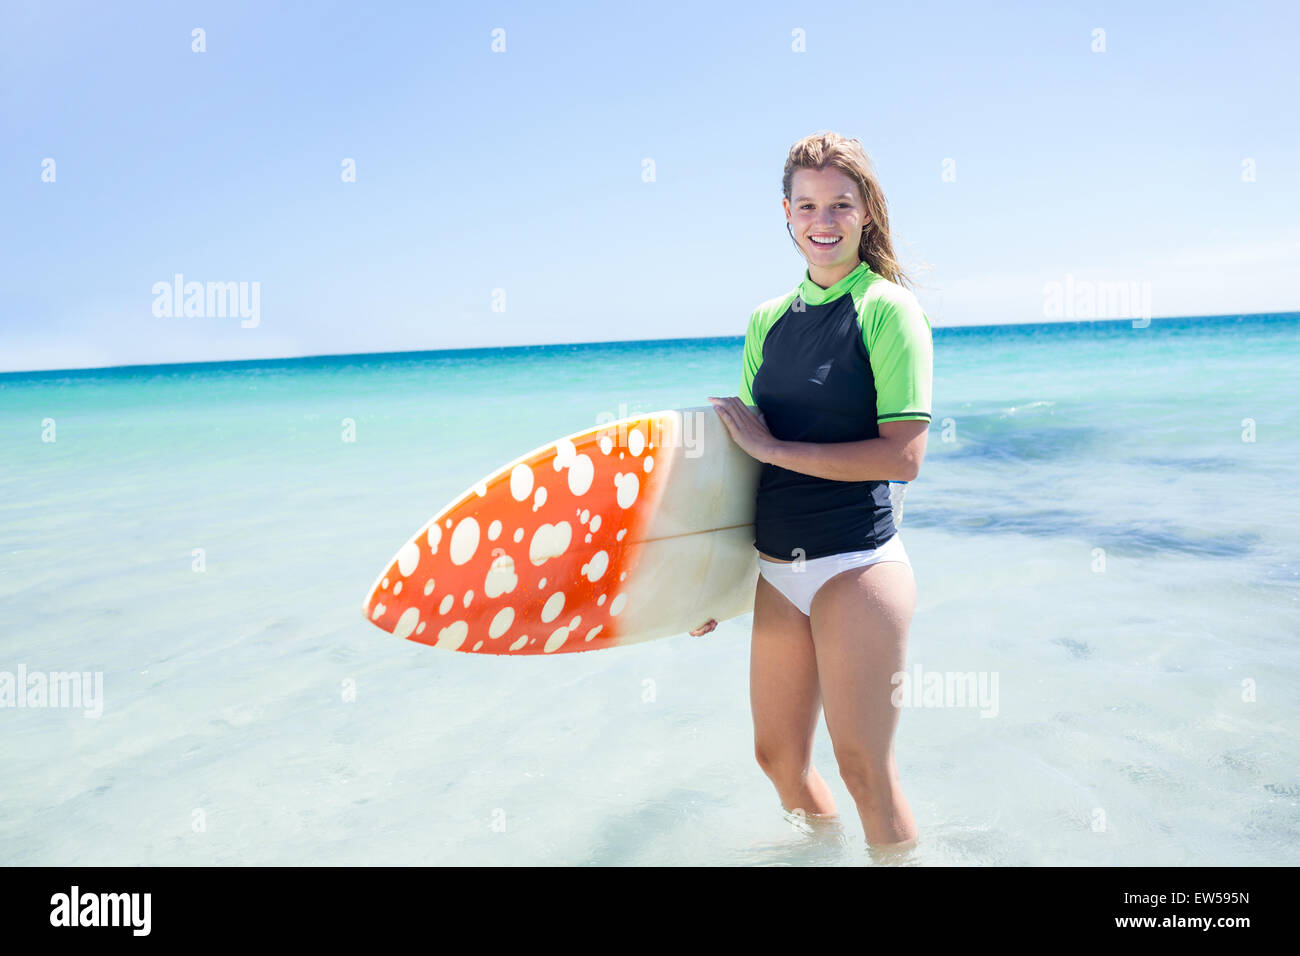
624,532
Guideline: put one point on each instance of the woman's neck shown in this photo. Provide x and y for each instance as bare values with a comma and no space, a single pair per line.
827,277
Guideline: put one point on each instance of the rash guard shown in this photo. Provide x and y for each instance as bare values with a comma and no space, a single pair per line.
829,365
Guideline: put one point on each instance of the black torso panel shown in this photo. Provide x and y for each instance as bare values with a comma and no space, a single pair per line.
815,384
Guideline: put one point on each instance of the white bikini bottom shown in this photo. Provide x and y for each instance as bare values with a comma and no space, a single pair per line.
801,580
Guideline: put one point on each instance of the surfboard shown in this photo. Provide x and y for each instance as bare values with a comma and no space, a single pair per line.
629,531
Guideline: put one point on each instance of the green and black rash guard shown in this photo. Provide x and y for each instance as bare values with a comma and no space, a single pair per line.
828,365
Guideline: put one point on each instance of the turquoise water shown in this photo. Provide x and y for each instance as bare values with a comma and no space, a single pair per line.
251,715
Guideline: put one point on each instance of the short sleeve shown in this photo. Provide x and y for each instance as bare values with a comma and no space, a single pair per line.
901,351
750,360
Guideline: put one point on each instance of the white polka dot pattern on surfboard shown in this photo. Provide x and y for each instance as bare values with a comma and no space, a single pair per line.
540,557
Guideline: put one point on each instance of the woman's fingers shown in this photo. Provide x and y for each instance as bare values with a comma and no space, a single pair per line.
724,412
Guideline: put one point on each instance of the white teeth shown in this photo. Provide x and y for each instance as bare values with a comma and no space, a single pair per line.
825,242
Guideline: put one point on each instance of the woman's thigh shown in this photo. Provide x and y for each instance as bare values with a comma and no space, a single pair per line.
783,691
859,623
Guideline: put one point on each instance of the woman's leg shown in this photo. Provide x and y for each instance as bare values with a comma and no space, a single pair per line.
859,625
785,701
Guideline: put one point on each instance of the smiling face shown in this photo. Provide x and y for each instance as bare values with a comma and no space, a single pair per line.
826,213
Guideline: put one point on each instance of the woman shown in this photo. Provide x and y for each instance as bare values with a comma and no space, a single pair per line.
838,373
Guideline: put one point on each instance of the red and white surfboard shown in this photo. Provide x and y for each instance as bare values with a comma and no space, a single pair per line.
625,532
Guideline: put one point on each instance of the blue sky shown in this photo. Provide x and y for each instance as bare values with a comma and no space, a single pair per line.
522,170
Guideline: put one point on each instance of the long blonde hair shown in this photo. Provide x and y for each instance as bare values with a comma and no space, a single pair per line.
875,247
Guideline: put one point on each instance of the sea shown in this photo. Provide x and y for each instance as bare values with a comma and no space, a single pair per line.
1105,534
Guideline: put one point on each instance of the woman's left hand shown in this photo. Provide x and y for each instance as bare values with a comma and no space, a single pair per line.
747,426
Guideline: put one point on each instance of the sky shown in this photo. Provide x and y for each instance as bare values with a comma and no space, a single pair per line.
613,171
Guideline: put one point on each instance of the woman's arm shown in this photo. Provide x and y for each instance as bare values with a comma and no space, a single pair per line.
896,455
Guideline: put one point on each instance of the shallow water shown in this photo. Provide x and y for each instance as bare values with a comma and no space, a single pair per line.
1089,526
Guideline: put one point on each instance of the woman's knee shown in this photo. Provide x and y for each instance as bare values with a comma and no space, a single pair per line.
866,774
783,763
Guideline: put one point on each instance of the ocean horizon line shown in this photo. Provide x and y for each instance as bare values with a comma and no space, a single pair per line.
941,331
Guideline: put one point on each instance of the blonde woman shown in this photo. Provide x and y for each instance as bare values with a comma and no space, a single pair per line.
835,402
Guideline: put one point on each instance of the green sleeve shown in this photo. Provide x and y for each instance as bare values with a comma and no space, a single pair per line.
901,351
751,359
